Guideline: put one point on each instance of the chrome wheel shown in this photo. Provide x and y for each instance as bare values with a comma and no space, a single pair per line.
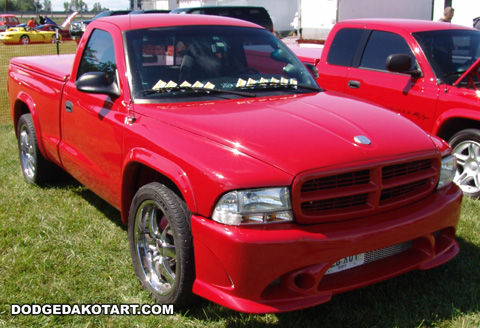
468,172
27,153
155,247
161,244
466,148
25,39
35,168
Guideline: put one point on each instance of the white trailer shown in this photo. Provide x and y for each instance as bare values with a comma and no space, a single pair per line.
317,17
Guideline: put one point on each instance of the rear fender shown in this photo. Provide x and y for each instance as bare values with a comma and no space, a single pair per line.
24,99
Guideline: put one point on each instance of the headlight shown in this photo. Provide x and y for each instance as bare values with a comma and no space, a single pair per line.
448,170
254,206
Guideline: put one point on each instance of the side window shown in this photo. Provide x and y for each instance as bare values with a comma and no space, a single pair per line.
381,45
343,46
99,55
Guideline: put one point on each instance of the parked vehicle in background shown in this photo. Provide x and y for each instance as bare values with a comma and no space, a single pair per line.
27,35
77,28
426,71
239,179
65,33
257,15
149,11
7,21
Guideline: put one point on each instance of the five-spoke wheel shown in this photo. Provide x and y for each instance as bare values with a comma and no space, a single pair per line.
466,147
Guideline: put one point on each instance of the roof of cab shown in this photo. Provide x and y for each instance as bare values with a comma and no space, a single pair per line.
132,22
408,25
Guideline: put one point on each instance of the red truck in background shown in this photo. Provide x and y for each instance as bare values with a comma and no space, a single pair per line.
426,71
239,180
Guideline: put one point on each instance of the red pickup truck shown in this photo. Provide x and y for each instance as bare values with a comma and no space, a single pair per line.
426,71
239,180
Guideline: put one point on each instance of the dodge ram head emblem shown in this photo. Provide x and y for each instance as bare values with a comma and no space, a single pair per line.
362,140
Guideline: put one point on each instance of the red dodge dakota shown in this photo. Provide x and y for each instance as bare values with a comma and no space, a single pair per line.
426,71
239,180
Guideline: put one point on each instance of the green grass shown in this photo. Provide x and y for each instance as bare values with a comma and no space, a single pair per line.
63,244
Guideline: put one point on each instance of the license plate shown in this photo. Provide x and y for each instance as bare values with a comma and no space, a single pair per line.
347,263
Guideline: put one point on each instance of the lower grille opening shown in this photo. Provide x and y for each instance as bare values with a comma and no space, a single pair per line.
373,256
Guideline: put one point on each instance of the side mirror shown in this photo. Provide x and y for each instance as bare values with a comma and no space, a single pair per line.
97,82
312,69
401,63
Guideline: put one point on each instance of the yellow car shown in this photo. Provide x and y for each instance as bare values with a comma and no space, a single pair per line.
26,35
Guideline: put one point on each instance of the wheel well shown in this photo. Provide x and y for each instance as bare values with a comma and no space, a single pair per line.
454,125
138,175
19,109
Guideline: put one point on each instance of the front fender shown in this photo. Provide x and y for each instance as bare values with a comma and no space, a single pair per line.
141,157
444,125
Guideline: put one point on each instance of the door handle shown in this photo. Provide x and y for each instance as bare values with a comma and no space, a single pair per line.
354,84
69,106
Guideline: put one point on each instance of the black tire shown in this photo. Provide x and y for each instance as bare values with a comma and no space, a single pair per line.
161,244
466,147
35,168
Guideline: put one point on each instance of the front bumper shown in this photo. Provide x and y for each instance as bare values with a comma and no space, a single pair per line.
281,267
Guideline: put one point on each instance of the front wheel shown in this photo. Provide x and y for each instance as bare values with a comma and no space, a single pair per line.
161,244
24,39
466,147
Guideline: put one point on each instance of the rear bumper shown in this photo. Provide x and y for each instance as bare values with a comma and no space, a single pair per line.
281,267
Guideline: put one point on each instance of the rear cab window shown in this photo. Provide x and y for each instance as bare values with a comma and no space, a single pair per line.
382,44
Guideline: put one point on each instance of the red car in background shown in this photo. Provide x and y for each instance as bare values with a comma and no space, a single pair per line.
8,20
52,27
426,71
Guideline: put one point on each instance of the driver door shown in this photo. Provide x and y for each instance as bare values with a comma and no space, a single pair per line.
93,124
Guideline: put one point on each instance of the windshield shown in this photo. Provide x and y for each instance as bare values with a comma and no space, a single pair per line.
197,61
450,52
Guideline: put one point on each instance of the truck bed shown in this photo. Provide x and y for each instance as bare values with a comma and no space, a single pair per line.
56,67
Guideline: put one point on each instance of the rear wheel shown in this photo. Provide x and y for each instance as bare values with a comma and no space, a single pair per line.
161,244
24,39
35,167
466,147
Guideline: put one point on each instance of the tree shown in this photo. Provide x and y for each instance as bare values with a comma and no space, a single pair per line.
8,5
27,5
47,5
75,5
97,7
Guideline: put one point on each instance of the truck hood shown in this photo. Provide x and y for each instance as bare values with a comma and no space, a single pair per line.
297,133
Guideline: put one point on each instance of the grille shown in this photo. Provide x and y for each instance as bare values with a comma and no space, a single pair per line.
337,181
384,253
321,197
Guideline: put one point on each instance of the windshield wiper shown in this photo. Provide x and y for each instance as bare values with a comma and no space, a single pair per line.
189,88
278,85
454,73
310,87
